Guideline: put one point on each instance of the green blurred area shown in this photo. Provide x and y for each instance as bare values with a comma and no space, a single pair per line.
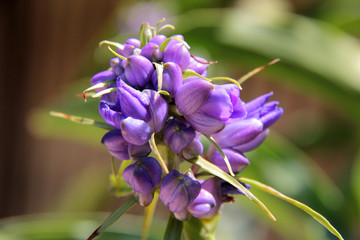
312,154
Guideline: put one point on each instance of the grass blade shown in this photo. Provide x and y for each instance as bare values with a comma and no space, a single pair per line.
211,168
317,216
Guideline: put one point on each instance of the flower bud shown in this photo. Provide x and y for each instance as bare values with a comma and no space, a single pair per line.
110,110
145,199
134,42
116,66
136,151
127,50
135,131
202,204
144,175
238,132
102,77
236,159
157,108
254,143
116,144
205,106
138,70
171,80
133,102
158,39
228,189
152,52
178,53
178,135
213,186
270,114
194,148
192,95
177,191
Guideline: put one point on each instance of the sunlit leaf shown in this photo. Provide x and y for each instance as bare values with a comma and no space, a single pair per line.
216,171
318,217
174,229
126,206
201,229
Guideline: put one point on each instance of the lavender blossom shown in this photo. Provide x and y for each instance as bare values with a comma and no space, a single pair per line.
205,106
177,191
138,70
143,176
178,135
178,53
171,79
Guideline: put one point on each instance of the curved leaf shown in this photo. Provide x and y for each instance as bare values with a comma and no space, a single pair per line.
317,216
211,168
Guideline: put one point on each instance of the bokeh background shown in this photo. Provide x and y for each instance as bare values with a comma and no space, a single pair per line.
54,173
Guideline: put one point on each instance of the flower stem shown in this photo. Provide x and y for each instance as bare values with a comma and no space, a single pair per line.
149,214
155,150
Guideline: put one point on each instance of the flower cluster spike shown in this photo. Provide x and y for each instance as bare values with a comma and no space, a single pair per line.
157,93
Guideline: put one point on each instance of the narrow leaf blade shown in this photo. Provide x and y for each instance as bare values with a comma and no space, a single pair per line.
173,229
317,216
81,120
126,206
211,168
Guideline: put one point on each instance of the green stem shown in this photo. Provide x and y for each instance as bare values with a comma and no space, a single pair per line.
149,215
155,150
174,229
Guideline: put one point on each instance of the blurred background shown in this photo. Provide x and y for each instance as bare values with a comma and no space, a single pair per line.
49,51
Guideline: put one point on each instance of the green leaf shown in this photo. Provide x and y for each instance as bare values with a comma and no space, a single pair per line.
166,42
81,120
318,217
211,168
126,206
159,71
191,73
174,229
218,148
201,228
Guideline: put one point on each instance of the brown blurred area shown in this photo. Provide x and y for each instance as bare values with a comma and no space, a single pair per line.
42,43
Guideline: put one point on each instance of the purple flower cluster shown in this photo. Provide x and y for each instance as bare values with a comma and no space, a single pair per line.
145,92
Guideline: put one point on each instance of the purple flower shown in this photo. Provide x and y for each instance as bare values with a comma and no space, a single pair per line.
178,135
178,53
138,70
135,131
133,102
238,132
158,110
158,39
213,186
228,189
202,205
109,109
134,42
236,159
152,52
172,78
194,148
205,106
116,66
116,144
245,134
102,77
121,149
177,191
143,176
